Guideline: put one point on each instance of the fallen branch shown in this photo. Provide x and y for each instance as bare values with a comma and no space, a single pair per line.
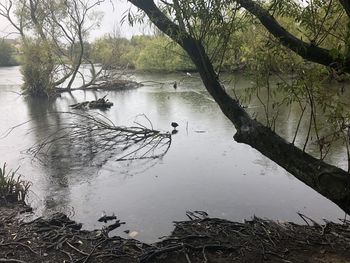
94,137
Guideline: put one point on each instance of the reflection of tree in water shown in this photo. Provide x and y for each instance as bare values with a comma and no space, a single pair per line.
43,122
130,168
73,147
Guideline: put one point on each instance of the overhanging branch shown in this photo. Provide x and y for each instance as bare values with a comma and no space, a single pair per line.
306,50
328,180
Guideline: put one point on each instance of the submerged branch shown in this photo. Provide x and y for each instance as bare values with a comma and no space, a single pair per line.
86,138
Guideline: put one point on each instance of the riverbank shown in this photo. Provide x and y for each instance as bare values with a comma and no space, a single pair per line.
59,239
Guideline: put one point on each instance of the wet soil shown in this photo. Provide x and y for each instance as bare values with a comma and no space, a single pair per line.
59,239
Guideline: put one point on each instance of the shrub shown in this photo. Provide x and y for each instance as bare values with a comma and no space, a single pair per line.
12,187
37,69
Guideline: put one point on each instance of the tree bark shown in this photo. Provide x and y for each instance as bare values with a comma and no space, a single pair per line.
328,180
346,6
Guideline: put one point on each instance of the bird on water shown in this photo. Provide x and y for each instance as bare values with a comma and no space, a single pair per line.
175,85
174,125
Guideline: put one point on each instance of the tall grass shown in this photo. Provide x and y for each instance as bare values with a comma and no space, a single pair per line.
12,187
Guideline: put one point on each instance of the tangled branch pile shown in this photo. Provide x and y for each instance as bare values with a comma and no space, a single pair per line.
59,239
87,138
257,240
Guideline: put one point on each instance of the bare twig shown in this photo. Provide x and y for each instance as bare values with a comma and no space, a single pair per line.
11,260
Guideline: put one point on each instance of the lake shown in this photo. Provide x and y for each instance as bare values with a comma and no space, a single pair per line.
204,169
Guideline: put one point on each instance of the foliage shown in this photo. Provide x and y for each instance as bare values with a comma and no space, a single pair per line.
160,54
37,69
12,187
53,35
144,53
282,79
6,54
110,51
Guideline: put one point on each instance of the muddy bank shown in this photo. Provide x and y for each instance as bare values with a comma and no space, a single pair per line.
59,239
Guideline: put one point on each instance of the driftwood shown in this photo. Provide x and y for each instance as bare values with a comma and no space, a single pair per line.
101,103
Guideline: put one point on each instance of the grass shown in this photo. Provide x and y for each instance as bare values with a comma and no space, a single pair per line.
12,187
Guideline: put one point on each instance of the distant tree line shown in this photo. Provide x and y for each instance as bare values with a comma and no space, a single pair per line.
8,56
244,48
143,53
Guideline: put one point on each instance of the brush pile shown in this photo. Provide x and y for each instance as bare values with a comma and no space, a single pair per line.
60,239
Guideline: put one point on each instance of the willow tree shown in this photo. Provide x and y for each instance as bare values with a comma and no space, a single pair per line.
53,34
195,24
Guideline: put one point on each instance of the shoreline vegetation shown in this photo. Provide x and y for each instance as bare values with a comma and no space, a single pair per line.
158,54
140,53
57,238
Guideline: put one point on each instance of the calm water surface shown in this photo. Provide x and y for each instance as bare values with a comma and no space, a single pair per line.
202,171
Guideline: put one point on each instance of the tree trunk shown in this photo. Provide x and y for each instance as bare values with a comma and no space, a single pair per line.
328,180
346,6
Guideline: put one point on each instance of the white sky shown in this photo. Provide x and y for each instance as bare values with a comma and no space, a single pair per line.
112,16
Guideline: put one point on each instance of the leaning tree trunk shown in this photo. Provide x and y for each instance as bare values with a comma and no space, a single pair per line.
80,57
330,181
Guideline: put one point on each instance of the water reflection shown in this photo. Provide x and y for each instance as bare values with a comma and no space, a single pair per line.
56,190
287,119
203,170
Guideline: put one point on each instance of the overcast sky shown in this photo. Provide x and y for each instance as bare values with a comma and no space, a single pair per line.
112,14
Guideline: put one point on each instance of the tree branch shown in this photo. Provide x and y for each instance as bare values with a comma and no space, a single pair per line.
328,180
346,6
306,50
